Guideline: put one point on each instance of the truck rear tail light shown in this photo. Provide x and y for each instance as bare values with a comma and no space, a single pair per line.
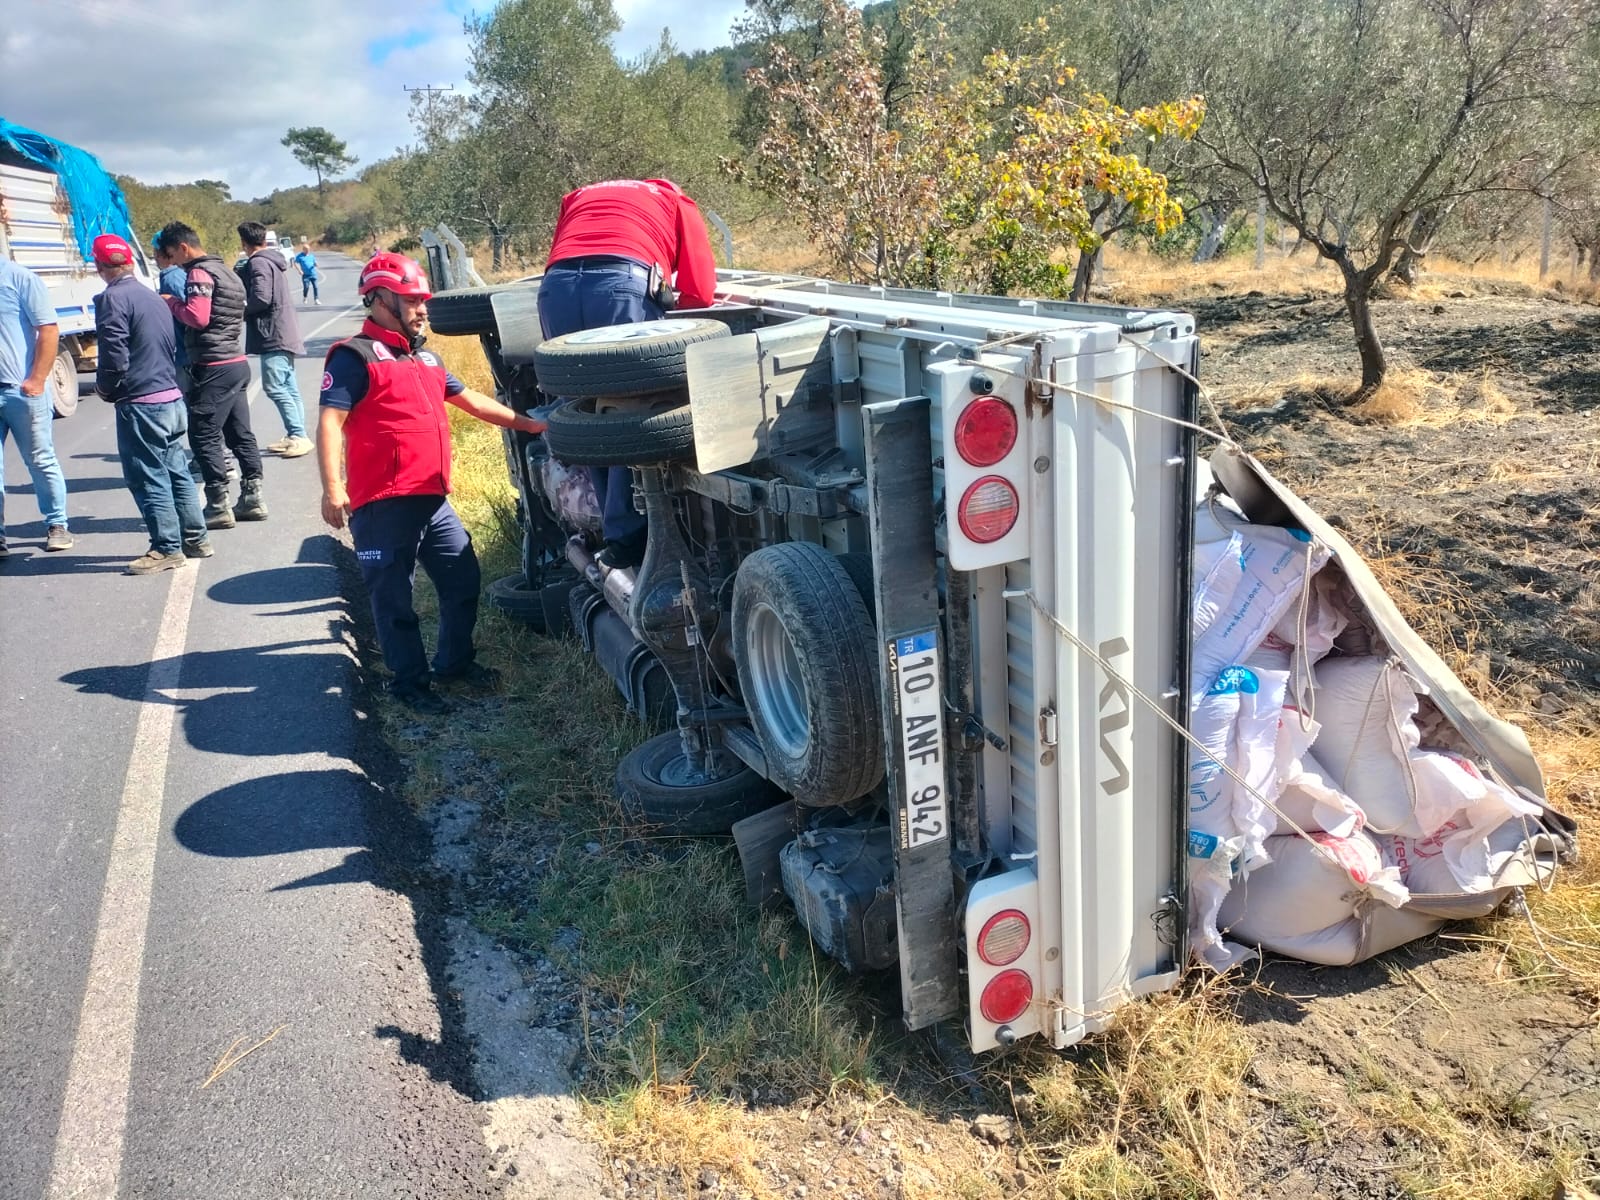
1006,997
988,509
1003,938
986,431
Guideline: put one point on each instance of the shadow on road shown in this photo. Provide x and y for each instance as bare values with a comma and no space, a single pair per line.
303,696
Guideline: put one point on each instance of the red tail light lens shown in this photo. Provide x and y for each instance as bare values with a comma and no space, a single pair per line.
985,431
1004,937
988,509
1006,997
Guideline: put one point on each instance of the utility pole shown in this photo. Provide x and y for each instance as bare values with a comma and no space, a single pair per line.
430,90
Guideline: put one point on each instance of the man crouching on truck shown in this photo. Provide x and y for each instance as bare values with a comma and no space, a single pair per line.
625,250
394,488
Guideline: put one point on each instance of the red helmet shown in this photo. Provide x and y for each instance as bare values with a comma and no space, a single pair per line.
401,275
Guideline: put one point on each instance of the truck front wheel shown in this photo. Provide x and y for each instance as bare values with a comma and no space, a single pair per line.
659,787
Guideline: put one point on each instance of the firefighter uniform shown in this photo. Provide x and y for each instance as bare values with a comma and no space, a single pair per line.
397,469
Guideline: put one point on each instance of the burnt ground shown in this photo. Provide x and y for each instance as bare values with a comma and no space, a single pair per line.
1481,510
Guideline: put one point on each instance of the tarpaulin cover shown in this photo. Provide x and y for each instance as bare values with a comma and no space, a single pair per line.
97,203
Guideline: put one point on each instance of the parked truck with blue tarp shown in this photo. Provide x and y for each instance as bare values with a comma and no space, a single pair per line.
55,199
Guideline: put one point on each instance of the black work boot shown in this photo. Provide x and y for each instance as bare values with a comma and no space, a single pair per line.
251,506
216,512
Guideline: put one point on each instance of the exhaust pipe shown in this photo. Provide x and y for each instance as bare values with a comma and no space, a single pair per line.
614,583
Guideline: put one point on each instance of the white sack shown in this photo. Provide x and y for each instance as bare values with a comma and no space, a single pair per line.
1217,572
1366,708
1314,804
1306,902
1235,723
1276,562
1461,855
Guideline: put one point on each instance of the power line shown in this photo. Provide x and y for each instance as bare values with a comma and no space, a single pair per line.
430,90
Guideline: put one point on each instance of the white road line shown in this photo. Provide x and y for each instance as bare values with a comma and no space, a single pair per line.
94,1112
330,321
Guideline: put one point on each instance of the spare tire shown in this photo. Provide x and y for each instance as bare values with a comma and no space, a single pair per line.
807,656
657,787
467,310
581,437
623,360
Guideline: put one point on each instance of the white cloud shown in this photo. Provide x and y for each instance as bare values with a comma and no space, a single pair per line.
174,90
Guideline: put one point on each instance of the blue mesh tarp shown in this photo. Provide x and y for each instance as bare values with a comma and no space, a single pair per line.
97,203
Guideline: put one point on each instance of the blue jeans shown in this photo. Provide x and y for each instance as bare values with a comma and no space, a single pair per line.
150,442
391,537
587,297
27,418
278,382
308,286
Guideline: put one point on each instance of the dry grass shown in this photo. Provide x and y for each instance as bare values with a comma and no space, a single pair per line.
1472,1145
668,1126
1155,1108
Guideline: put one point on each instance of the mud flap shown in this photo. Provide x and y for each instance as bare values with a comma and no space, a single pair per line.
899,457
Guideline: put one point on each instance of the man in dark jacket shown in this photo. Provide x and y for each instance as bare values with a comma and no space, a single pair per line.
136,372
212,315
272,331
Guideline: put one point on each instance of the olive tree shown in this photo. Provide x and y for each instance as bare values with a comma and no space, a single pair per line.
910,169
1363,122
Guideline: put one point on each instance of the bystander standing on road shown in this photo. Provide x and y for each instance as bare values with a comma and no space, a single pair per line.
272,331
625,250
137,372
173,280
307,263
212,314
29,338
383,419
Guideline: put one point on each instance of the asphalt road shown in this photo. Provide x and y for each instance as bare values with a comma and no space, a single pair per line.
199,860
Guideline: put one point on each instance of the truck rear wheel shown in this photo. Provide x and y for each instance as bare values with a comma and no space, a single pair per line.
64,385
659,787
623,360
807,658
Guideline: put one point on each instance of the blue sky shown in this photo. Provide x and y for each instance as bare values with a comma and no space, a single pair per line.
217,94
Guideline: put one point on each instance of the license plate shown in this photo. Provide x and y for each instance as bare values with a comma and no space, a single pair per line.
914,669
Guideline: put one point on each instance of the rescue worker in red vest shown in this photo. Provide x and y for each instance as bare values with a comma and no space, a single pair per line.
625,250
384,452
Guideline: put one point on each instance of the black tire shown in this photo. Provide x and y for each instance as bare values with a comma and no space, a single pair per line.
581,437
466,310
858,565
807,656
623,360
652,793
517,598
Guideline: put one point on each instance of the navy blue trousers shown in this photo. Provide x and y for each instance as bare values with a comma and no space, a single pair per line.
392,537
587,297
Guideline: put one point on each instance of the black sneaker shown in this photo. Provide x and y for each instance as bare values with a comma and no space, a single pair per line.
419,698
474,675
5,550
618,556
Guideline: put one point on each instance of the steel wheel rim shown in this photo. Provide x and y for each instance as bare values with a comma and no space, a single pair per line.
677,772
775,678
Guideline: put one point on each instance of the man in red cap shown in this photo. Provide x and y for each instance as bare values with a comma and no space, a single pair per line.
625,250
137,372
383,414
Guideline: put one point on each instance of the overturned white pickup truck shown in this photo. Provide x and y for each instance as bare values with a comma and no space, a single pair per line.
937,600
